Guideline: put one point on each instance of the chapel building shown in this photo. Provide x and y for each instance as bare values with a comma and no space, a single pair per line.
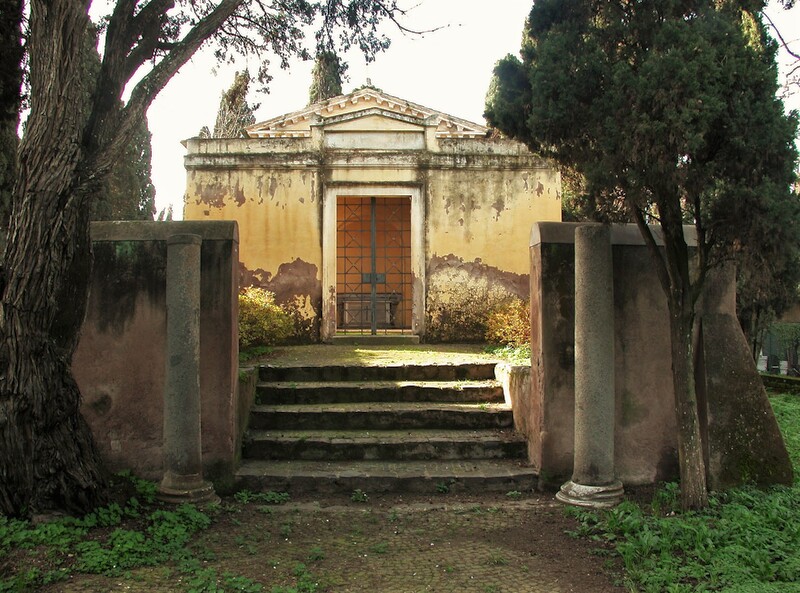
370,214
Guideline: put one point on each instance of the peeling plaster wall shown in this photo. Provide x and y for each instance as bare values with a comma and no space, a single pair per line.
480,197
482,212
278,208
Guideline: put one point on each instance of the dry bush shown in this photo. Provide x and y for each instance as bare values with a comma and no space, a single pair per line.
509,324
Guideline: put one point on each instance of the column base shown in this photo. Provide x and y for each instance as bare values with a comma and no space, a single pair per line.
593,497
176,489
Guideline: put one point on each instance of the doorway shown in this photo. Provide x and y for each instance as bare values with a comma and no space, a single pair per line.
373,265
399,303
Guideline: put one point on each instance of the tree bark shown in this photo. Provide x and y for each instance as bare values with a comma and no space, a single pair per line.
672,268
48,458
694,494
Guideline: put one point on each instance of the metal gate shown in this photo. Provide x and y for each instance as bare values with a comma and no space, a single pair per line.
373,264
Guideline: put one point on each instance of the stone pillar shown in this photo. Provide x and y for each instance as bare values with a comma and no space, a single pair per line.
594,482
183,463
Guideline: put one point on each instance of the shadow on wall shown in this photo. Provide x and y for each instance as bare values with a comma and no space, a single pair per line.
298,290
120,361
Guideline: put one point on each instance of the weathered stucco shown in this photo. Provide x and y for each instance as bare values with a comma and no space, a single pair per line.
473,198
483,213
121,358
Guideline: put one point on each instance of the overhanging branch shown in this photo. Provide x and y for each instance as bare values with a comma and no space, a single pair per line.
147,89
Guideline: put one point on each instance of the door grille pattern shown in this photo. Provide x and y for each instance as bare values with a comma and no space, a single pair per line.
373,264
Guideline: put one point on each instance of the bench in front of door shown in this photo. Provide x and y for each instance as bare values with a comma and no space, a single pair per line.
354,310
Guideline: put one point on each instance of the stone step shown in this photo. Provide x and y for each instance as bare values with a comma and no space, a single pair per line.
424,477
381,416
365,339
446,372
330,445
325,392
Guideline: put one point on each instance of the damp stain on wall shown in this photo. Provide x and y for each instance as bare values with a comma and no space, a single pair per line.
297,288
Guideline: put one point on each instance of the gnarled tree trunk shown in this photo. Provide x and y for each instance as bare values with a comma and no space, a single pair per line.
47,454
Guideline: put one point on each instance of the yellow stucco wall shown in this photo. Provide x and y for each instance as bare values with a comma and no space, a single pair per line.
487,214
278,213
476,200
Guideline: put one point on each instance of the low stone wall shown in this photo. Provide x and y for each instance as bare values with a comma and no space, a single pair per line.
781,383
645,426
120,361
516,382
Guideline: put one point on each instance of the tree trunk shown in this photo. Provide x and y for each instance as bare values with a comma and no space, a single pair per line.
694,494
10,89
47,455
672,268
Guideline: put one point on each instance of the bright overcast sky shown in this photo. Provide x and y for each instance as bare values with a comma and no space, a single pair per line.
448,70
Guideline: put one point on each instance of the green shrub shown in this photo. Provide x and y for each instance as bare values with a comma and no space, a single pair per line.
509,324
261,321
745,541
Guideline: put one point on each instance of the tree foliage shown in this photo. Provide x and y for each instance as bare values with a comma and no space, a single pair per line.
234,113
326,77
129,191
669,106
79,126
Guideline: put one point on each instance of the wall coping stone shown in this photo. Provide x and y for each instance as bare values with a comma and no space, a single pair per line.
146,230
621,234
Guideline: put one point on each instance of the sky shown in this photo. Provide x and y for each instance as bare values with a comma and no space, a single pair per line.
447,70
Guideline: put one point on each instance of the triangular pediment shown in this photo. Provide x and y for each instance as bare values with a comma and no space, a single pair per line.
366,109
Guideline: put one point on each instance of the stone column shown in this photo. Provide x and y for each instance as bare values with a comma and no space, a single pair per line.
594,482
183,464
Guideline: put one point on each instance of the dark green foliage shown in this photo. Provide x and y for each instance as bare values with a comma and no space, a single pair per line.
10,98
326,77
787,411
269,497
130,193
666,107
98,543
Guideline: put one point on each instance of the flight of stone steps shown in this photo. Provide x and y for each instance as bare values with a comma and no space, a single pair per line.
411,428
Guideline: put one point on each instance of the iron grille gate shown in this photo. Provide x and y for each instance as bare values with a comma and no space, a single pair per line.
373,264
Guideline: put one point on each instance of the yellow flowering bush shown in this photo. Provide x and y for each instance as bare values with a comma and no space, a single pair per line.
261,321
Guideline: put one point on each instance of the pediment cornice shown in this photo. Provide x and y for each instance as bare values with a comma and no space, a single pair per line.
360,104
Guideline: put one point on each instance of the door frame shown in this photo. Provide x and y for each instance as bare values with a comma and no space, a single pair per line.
329,200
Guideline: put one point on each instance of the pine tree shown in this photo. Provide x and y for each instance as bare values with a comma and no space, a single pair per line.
234,113
129,193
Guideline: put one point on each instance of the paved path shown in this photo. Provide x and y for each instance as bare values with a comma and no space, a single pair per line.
332,355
